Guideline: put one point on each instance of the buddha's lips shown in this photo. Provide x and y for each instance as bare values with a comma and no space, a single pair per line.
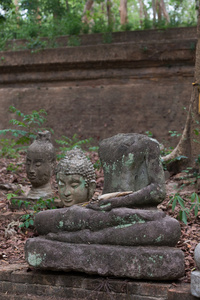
67,199
32,177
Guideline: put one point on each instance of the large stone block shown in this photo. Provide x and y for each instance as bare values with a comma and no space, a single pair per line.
153,263
195,283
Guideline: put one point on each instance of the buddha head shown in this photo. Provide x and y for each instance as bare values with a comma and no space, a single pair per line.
76,178
40,160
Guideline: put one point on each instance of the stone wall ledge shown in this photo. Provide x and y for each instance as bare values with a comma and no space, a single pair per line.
19,282
118,37
127,55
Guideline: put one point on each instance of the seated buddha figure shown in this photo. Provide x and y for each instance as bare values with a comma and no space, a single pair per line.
123,234
76,178
40,163
130,164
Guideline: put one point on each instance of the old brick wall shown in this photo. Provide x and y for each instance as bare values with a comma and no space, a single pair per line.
18,282
139,82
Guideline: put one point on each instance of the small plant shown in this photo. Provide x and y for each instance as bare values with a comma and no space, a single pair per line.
68,144
28,218
107,37
126,27
149,134
184,212
28,124
11,195
174,133
14,167
8,149
73,41
36,44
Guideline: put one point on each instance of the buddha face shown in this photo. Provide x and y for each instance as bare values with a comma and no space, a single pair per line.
72,189
38,169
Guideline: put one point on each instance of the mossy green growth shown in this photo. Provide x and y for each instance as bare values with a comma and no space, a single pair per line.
35,259
61,224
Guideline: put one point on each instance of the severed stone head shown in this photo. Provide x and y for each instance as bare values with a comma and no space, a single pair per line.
76,178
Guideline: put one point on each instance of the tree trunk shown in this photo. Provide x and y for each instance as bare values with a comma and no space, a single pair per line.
88,7
109,13
141,11
67,6
17,11
189,143
164,11
154,11
158,10
123,12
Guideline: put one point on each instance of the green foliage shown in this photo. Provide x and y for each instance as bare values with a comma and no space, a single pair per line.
28,124
180,157
68,144
8,148
184,212
174,133
14,167
51,18
28,218
73,40
149,134
36,44
107,37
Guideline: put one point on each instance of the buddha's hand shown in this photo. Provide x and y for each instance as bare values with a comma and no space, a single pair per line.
102,205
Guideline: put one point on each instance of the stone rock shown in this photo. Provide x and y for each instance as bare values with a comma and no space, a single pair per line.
197,256
40,162
195,276
195,283
153,263
121,226
75,176
130,162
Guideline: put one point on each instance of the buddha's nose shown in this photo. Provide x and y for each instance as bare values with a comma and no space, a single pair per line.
32,169
67,192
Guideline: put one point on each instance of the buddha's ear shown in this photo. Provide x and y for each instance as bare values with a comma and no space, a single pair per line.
92,186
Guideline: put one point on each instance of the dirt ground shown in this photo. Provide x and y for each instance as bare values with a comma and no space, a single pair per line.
13,180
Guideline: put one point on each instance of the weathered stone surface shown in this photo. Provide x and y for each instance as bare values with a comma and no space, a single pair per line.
120,226
197,256
132,162
92,239
76,178
154,263
40,162
195,283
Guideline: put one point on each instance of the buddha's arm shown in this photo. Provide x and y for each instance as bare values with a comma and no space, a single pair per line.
150,195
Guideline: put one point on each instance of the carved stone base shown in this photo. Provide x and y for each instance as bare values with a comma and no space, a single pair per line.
153,263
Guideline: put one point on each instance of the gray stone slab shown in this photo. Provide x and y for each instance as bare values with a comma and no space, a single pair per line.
153,263
195,283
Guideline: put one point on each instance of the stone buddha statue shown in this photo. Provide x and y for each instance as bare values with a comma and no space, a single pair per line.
122,235
40,163
76,178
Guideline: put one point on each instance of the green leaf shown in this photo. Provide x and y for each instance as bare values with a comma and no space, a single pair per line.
196,211
184,217
26,223
31,222
193,197
174,204
181,202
